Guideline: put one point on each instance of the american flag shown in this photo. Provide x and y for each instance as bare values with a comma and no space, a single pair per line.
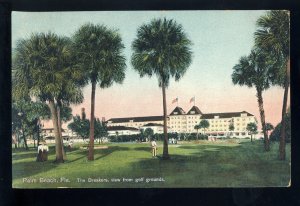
192,99
175,100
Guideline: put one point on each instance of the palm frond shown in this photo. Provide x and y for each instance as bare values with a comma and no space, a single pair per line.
161,48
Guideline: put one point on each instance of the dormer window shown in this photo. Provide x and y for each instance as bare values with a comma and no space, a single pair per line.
131,120
216,117
175,113
192,112
244,115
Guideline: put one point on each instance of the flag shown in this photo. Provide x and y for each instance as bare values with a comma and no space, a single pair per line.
175,100
192,99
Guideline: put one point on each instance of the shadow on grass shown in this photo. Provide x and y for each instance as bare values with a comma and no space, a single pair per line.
105,152
203,146
146,149
74,160
28,154
27,169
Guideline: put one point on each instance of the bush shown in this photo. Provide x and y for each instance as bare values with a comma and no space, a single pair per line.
275,135
193,136
124,138
203,137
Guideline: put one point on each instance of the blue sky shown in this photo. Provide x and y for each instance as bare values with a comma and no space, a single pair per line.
219,39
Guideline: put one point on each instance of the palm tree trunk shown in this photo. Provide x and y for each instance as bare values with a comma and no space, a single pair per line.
24,139
58,145
283,114
60,130
92,130
262,118
165,147
38,134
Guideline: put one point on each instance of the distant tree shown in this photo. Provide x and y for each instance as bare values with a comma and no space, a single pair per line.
98,51
269,127
197,127
251,128
80,126
231,127
149,132
142,134
26,116
162,49
204,124
275,135
16,125
273,36
100,130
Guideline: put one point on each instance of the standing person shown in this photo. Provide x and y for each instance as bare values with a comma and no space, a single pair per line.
154,148
39,157
70,145
45,150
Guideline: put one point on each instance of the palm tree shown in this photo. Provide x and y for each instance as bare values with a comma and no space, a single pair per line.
273,35
204,124
148,133
42,64
252,71
251,128
98,51
197,127
162,49
269,127
231,127
69,94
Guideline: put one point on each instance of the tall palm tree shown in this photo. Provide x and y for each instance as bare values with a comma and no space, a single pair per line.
98,51
162,49
252,71
273,35
43,67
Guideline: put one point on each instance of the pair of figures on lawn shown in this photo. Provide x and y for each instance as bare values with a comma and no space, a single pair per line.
42,152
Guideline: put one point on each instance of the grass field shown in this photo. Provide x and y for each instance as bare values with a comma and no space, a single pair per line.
195,164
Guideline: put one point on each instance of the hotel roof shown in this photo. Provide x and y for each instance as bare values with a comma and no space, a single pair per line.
178,111
224,115
194,110
136,119
116,128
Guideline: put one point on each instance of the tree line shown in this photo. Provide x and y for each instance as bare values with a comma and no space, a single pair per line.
268,64
53,69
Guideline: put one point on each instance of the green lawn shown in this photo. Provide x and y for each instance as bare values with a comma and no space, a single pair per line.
202,164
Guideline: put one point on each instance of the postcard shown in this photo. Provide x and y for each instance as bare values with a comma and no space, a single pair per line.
151,99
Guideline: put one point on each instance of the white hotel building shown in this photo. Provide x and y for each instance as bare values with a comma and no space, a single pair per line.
181,122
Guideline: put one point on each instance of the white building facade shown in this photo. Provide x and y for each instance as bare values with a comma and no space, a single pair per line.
181,122
122,130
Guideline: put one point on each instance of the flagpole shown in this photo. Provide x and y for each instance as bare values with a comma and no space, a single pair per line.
177,101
